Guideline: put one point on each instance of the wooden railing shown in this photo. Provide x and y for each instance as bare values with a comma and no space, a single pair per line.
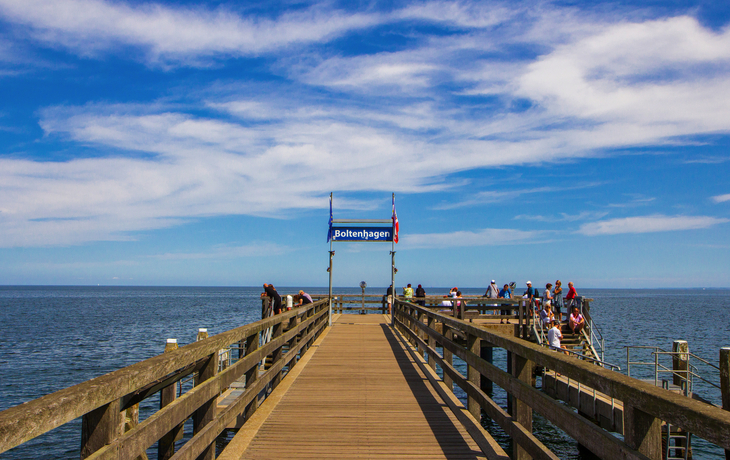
103,401
645,405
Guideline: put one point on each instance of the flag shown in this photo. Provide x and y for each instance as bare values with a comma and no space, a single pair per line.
395,223
329,233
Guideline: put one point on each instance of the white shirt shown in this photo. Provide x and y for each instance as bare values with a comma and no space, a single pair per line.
554,337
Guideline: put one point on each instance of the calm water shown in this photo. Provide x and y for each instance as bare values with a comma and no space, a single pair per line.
54,337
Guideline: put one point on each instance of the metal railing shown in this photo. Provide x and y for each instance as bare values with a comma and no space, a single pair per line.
687,376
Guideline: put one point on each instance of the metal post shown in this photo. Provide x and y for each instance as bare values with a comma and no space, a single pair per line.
332,253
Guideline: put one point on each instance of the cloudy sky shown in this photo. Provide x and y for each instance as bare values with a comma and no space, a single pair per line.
197,143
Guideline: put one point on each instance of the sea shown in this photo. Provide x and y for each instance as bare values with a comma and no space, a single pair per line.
53,337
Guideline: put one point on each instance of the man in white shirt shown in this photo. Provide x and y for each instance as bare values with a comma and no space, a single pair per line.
554,337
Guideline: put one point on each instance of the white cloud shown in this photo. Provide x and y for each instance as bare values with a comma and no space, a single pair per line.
253,249
484,237
649,224
721,198
89,26
563,217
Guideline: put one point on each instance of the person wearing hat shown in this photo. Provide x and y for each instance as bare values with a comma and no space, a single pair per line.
530,294
492,291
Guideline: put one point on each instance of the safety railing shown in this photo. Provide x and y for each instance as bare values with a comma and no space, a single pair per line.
644,405
103,402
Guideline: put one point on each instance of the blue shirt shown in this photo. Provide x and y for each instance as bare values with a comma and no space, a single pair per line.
506,293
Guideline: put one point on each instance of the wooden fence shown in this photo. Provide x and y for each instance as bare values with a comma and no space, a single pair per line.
103,401
645,405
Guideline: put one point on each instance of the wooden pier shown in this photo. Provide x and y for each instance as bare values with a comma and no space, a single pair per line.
366,387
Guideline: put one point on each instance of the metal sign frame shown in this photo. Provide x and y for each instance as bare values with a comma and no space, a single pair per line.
393,239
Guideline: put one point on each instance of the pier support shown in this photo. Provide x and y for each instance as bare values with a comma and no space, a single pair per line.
643,432
206,413
252,344
680,360
521,411
100,427
473,375
725,383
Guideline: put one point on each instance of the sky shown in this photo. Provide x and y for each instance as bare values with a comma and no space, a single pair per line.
197,143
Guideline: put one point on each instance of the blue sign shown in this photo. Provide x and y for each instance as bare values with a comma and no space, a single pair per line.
362,234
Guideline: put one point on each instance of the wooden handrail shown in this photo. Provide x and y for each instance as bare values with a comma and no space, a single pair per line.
645,400
31,419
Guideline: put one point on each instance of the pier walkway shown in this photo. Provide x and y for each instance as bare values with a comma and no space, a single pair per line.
294,387
358,393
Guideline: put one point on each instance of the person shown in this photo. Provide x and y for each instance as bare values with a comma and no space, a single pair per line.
558,300
576,321
530,295
304,299
408,292
555,336
420,292
492,291
505,293
270,292
571,297
546,315
547,298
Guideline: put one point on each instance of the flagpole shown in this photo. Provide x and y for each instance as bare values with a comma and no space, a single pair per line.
332,253
392,268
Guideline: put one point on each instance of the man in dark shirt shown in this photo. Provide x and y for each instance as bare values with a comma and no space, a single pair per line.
304,298
270,292
420,292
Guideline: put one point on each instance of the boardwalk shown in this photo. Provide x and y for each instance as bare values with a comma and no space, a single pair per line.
359,394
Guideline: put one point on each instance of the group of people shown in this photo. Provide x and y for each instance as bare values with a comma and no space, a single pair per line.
552,301
270,291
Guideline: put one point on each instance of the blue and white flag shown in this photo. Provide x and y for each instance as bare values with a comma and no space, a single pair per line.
329,233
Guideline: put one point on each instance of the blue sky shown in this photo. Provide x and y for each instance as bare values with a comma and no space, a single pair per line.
196,143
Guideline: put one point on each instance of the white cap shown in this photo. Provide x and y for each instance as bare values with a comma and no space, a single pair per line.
529,282
202,329
171,340
493,281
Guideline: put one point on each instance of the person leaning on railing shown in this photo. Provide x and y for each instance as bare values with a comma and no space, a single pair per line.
505,293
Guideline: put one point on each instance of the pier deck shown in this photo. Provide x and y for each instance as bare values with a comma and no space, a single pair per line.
359,394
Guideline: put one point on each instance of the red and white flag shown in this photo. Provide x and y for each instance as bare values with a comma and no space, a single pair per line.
395,223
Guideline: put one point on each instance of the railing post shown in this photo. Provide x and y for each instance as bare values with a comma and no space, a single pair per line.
293,322
473,375
522,413
206,412
680,362
252,344
166,444
431,341
100,427
643,432
277,354
448,355
725,383
417,330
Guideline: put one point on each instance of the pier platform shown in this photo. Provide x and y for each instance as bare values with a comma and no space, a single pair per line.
359,393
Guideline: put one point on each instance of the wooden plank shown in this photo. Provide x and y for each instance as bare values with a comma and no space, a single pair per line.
355,397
